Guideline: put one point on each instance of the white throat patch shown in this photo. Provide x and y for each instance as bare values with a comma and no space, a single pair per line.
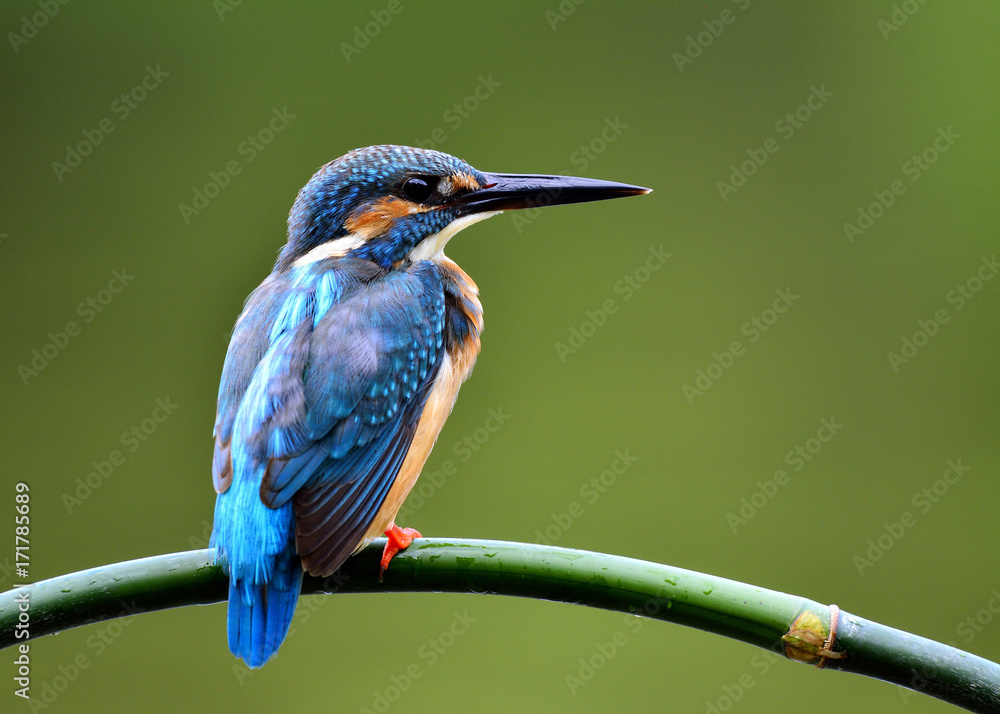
432,248
331,249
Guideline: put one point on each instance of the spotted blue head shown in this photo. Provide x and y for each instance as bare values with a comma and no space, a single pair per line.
389,204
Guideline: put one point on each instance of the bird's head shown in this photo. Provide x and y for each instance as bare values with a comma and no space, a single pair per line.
390,204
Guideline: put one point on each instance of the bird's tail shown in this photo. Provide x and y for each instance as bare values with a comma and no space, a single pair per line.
259,615
256,547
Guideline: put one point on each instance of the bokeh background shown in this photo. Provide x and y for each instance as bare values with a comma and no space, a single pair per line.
675,96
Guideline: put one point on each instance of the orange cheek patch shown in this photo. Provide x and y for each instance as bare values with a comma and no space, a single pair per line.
463,181
377,218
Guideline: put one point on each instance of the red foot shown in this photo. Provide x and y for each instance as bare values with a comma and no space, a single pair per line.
399,538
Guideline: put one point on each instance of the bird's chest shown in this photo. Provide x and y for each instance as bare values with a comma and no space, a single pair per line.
463,323
463,318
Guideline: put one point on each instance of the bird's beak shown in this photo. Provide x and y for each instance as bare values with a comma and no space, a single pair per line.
503,192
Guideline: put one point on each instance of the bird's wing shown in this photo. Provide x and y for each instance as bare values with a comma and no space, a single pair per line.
332,405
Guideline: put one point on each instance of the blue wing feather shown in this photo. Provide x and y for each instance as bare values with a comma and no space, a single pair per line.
334,511
324,384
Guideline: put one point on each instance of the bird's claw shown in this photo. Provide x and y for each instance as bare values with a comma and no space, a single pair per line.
399,538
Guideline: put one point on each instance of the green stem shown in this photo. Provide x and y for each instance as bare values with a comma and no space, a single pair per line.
744,612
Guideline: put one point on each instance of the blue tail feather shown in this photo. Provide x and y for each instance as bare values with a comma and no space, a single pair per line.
259,623
256,547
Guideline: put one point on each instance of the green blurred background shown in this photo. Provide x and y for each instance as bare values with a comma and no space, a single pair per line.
599,90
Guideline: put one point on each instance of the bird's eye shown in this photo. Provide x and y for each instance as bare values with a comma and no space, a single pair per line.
417,189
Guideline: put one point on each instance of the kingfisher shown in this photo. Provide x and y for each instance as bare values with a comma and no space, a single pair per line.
343,367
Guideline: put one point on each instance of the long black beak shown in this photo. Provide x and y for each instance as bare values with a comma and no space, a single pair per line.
503,192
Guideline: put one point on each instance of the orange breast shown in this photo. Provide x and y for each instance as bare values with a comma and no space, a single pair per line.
456,366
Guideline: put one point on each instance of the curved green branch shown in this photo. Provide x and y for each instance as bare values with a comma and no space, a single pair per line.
787,623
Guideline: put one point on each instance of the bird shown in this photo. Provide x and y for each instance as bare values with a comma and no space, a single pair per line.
343,367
